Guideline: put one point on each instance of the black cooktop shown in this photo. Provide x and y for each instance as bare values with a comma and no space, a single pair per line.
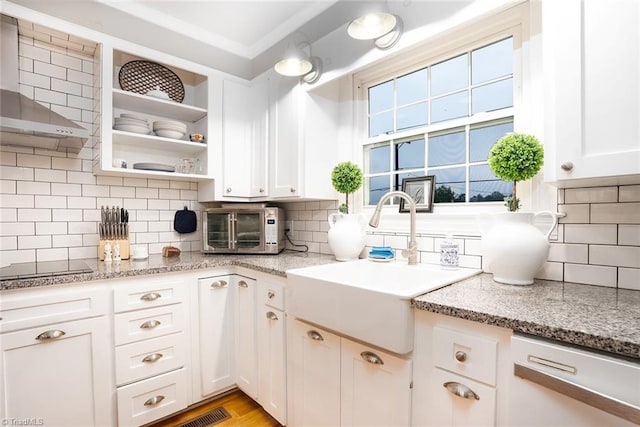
28,270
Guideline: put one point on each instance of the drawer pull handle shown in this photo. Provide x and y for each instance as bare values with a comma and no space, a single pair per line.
271,294
243,284
151,296
314,335
152,358
219,284
50,335
154,400
566,166
272,316
460,390
461,356
150,324
371,358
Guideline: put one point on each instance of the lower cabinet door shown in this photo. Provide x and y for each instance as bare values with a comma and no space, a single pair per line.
458,401
57,375
376,387
148,400
272,380
313,375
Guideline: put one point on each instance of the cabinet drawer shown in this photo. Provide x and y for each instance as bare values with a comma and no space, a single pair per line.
147,358
151,323
140,293
271,294
148,400
456,405
29,308
470,356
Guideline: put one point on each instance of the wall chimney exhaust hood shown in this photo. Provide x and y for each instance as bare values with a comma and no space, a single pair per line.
23,121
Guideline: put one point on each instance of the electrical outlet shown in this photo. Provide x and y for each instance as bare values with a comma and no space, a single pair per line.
288,225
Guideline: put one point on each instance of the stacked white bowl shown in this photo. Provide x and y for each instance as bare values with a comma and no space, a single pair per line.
131,123
169,129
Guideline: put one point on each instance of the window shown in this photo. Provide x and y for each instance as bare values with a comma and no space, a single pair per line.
442,119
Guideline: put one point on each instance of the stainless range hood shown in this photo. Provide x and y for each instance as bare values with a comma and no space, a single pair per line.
23,121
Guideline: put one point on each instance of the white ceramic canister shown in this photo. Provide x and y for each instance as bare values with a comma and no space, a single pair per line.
513,249
347,235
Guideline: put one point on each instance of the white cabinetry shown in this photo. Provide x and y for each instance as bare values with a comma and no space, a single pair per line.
592,81
193,111
461,372
335,381
246,336
244,140
216,332
271,325
151,343
45,365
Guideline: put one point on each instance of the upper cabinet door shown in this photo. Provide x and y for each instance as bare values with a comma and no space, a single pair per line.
284,136
591,57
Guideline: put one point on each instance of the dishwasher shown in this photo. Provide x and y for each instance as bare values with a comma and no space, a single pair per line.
558,385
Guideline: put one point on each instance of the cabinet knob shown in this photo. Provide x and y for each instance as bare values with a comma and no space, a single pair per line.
272,316
150,324
152,358
228,189
293,189
219,284
271,294
566,166
460,390
262,190
371,358
315,335
461,356
243,284
151,296
154,400
50,335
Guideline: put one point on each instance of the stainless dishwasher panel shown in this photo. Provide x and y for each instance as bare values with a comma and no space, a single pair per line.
545,371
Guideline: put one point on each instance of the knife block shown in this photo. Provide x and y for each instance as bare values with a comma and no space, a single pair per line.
124,248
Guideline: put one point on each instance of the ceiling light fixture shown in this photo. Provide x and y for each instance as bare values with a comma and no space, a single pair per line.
297,63
382,27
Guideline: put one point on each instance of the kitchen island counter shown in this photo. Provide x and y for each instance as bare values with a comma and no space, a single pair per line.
597,317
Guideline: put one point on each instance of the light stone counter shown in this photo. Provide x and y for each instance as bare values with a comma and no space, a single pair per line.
156,264
596,317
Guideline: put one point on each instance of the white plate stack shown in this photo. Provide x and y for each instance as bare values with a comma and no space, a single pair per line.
169,129
131,123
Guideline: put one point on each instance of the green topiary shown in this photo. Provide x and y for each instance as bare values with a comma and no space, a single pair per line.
346,178
516,157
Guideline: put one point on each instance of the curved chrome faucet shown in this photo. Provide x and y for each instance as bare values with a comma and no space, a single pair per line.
412,249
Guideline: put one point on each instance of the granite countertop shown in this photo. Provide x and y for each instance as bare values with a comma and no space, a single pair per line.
155,264
596,317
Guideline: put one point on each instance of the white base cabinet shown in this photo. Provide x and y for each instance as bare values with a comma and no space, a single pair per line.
56,373
246,360
335,381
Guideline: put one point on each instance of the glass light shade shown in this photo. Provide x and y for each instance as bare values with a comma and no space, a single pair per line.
293,67
371,25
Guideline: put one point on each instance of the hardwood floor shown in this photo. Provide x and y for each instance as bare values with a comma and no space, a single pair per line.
244,412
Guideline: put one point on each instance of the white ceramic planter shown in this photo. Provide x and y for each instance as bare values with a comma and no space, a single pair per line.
347,235
513,249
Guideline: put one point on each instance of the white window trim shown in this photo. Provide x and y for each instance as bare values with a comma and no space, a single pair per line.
461,219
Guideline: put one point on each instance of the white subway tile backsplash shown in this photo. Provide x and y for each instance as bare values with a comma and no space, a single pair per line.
146,193
50,96
622,256
629,278
591,233
26,215
17,229
51,254
591,195
629,235
79,102
32,52
66,61
8,243
82,227
8,215
128,192
68,240
33,161
180,185
51,228
576,214
574,253
70,113
49,175
34,242
79,77
67,215
630,193
147,237
66,87
35,80
8,158
16,173
189,194
619,213
49,70
134,182
590,274
158,183
17,200
168,194
131,204
59,189
68,164
551,271
31,187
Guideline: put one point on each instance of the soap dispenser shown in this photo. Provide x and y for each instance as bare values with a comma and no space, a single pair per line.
449,253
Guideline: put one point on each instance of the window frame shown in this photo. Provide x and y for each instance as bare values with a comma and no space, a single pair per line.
459,217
